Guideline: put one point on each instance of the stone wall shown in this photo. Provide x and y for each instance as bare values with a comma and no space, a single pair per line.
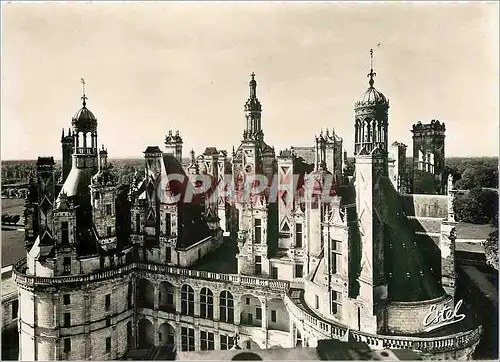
408,317
91,321
435,206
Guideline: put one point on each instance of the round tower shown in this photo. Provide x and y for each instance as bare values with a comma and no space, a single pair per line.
71,297
371,119
253,112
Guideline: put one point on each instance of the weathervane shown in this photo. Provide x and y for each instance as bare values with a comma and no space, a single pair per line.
372,73
84,98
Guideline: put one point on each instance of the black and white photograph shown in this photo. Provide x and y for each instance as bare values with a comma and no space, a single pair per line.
249,180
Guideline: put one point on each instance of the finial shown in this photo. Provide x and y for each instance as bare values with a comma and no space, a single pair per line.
84,98
62,133
253,75
192,156
372,73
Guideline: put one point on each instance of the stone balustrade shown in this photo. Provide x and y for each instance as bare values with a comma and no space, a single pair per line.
323,329
326,329
30,281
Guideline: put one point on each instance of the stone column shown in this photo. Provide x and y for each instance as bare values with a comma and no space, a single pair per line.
133,342
177,299
196,303
216,306
264,320
197,337
263,303
237,312
156,301
292,332
156,297
178,339
87,319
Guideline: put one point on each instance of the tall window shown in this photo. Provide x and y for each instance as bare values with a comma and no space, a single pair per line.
316,302
67,345
207,341
108,209
336,301
64,232
67,265
206,304
168,224
273,316
336,255
15,307
66,299
129,334
226,342
299,270
168,254
138,223
274,272
226,307
187,339
258,265
258,313
107,302
108,345
67,319
258,230
108,231
299,339
298,235
187,300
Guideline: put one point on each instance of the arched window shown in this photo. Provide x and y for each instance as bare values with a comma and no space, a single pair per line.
187,300
358,131
206,304
226,308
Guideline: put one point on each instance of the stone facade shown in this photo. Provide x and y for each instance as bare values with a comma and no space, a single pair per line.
318,256
429,152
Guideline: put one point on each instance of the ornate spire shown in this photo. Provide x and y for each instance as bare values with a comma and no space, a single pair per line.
372,73
253,86
84,98
193,160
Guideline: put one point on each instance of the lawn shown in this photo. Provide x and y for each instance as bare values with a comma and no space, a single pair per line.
13,240
12,247
473,231
13,207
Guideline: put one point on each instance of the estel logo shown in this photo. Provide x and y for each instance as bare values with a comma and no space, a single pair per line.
439,318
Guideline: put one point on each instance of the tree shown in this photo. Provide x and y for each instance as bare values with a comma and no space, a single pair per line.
424,183
491,245
478,206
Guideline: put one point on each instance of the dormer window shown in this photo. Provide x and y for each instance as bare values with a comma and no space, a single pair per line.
64,233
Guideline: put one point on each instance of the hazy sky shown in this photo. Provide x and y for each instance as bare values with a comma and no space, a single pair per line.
151,67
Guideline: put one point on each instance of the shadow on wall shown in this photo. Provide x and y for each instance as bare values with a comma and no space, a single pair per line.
247,356
349,197
409,259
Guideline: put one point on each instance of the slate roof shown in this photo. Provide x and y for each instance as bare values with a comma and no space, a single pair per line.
410,259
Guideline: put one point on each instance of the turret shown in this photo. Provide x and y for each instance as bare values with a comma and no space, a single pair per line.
173,145
253,112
